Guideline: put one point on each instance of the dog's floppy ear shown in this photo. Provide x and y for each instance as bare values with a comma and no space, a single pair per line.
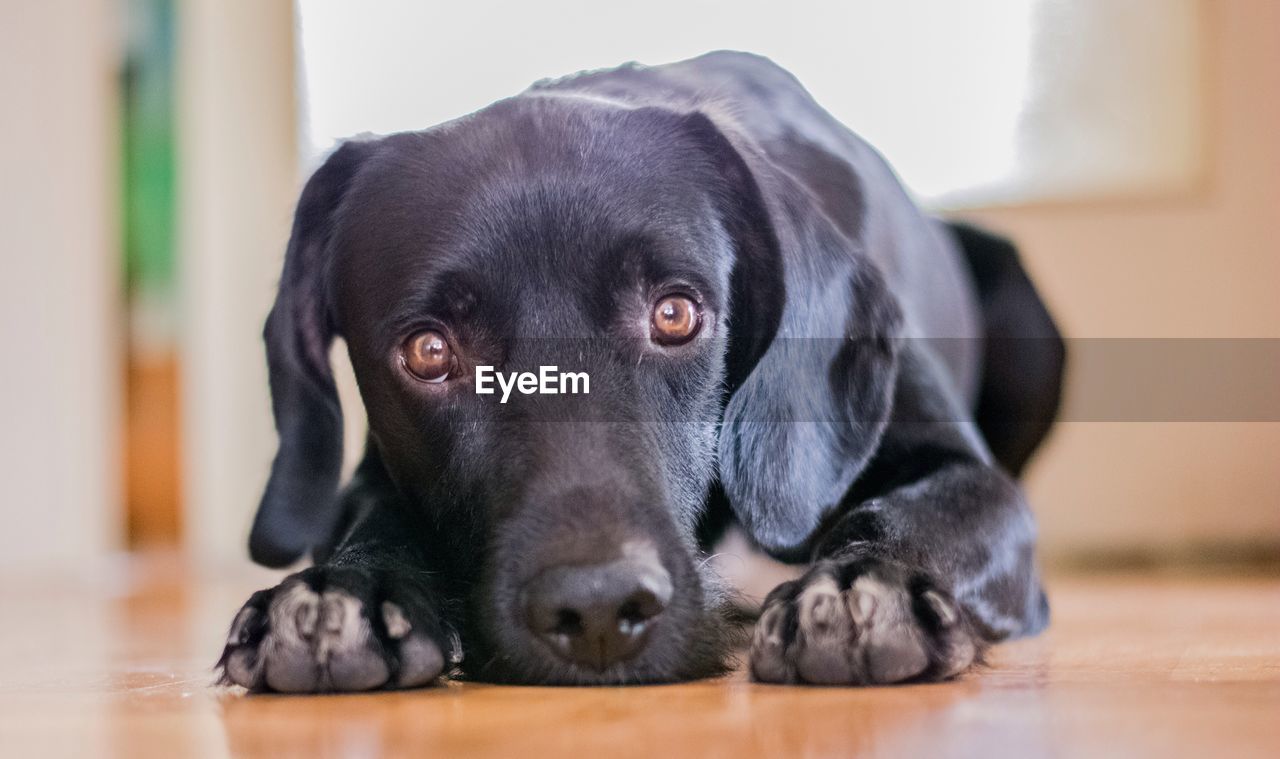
299,508
813,348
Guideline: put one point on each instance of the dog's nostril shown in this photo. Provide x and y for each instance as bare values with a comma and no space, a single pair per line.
638,609
630,613
597,615
568,622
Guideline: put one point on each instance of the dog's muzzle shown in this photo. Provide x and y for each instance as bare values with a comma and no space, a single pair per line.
600,614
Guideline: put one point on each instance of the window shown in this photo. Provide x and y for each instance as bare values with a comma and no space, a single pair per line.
973,103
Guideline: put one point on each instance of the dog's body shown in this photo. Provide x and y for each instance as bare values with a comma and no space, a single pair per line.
775,337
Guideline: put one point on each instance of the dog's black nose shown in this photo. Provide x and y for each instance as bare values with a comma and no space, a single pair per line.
600,614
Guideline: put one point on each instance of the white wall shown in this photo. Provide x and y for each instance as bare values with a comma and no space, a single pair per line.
238,181
974,102
1203,263
60,377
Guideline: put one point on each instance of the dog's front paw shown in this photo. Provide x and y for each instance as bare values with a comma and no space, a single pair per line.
338,629
861,622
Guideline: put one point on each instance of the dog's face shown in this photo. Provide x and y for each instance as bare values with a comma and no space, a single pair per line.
584,242
616,245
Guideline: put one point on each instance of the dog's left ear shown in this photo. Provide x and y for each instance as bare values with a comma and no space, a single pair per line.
299,508
813,338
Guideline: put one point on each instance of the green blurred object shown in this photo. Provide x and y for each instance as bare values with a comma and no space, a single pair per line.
153,490
149,166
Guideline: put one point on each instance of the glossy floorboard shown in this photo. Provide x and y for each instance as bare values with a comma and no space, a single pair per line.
1132,666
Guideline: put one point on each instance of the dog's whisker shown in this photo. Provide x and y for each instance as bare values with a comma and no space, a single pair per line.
730,554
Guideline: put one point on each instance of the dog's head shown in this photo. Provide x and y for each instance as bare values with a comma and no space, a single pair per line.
647,250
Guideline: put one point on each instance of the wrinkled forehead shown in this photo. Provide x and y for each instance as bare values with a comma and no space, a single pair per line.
504,207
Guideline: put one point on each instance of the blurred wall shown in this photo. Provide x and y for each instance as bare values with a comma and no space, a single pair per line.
238,181
1200,264
59,283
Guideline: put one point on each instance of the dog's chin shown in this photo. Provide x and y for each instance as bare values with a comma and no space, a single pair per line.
692,644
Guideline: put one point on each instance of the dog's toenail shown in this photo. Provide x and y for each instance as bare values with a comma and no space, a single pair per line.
946,613
397,625
305,618
333,614
824,611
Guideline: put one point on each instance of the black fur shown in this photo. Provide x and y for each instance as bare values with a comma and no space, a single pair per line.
811,410
1024,356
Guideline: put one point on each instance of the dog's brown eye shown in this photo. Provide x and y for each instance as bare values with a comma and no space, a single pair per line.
427,356
675,320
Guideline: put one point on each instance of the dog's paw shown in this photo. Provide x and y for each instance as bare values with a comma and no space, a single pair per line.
861,622
338,629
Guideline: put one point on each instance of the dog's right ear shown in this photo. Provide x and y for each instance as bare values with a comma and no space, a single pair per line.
299,508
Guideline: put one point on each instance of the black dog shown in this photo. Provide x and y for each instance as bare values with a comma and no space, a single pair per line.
774,335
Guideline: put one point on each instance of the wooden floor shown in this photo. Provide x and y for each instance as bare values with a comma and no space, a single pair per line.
1132,666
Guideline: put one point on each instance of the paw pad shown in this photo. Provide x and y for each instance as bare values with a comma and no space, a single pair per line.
866,633
313,633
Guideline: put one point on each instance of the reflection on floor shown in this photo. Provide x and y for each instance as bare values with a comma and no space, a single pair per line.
1132,666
